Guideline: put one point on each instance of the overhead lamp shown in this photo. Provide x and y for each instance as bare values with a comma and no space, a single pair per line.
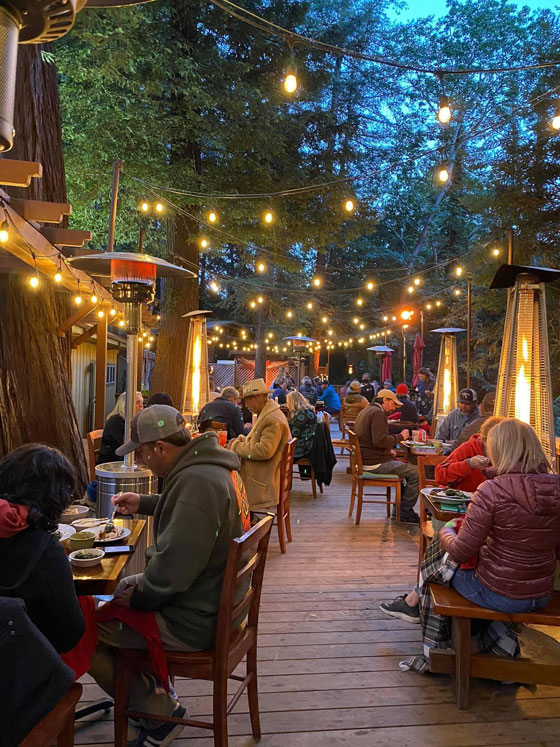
204,243
144,207
349,206
34,281
290,79
261,267
4,234
496,251
444,172
214,287
359,302
410,289
317,282
260,299
556,119
159,207
444,112
268,217
309,305
370,285
417,281
458,271
212,216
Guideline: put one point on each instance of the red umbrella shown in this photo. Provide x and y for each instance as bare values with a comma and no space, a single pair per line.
417,357
387,368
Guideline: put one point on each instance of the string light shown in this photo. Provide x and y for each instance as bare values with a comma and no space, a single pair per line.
444,172
290,80
144,207
458,271
317,282
496,252
444,113
309,305
325,320
148,345
405,315
261,267
429,306
268,217
438,304
214,287
159,207
77,297
100,313
113,312
457,291
260,299
359,301
204,243
556,119
417,281
34,279
58,276
252,304
212,216
93,298
121,323
385,318
289,314
410,289
151,338
370,285
356,320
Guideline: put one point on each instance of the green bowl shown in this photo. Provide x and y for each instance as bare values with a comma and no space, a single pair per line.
81,540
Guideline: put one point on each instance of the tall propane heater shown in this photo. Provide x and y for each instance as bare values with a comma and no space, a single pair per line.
133,279
524,389
196,392
447,379
381,352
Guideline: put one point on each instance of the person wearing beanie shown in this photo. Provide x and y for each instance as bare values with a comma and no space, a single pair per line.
408,408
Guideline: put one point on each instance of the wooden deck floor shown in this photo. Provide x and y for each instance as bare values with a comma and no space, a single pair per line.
329,658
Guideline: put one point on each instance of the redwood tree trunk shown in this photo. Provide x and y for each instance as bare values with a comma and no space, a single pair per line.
35,390
180,297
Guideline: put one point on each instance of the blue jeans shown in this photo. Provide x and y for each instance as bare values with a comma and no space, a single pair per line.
472,588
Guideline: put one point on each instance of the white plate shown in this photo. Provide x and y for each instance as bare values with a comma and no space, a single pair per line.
66,530
433,493
89,523
123,536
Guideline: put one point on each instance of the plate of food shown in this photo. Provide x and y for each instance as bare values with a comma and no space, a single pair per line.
86,558
448,495
64,531
114,533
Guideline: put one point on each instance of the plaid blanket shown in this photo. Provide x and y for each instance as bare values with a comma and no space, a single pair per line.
494,637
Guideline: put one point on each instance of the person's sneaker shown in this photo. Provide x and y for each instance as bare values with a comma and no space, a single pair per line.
400,609
163,735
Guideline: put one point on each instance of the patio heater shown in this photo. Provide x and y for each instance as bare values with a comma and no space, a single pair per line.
197,382
524,388
299,345
33,22
381,353
133,279
447,379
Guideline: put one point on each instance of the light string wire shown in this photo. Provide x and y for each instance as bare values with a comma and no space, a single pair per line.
501,121
292,38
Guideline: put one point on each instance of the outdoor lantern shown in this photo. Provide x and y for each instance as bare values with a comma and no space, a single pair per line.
447,384
133,278
197,383
33,22
524,388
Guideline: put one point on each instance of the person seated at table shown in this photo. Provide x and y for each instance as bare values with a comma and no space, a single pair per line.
36,486
318,387
355,400
368,389
407,413
261,451
196,517
465,468
224,409
512,526
303,424
308,390
426,381
458,419
378,449
113,432
282,377
330,397
279,392
160,398
486,411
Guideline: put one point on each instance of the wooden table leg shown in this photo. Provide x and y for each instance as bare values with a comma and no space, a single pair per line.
461,637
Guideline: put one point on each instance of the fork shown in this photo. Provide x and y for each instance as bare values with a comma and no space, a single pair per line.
110,525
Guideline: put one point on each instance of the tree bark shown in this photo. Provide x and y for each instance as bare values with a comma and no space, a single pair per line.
180,297
260,353
35,390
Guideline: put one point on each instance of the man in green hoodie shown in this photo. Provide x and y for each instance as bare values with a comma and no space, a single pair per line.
202,508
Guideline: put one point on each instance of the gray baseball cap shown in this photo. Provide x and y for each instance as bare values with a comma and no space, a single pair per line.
154,423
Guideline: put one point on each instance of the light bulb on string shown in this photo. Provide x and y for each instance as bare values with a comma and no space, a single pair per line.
349,206
324,320
100,314
495,252
34,281
457,291
4,233
212,216
556,119
252,304
260,299
429,306
289,314
444,172
144,206
58,277
444,112
370,285
204,243
410,289
159,207
438,304
385,318
458,271
417,281
77,297
356,320
113,312
94,298
317,282
121,323
261,267
214,287
394,318
268,217
359,302
309,305
290,79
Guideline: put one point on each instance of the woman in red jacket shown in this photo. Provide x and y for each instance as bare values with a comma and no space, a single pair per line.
512,525
464,468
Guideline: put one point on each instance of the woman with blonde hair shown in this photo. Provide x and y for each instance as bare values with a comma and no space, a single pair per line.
511,528
113,432
303,423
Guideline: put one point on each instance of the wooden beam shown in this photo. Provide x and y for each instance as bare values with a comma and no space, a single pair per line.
100,372
77,341
65,236
43,212
67,324
19,173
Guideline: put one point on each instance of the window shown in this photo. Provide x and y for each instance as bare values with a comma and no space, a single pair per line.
111,374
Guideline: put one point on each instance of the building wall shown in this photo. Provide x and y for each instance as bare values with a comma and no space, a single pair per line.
82,371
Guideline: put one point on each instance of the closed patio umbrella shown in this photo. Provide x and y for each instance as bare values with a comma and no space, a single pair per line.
417,358
387,368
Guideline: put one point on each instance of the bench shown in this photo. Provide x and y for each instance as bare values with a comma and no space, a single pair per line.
462,664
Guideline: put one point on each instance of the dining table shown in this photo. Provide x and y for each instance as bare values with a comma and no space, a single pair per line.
102,579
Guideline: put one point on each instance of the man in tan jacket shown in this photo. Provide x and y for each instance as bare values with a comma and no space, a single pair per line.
261,451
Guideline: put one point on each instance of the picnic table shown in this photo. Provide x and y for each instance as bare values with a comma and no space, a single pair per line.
103,578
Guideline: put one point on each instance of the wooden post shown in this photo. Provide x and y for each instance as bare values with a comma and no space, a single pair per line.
100,372
510,246
140,363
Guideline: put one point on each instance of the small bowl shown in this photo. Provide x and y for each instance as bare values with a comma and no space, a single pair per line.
82,540
87,562
74,512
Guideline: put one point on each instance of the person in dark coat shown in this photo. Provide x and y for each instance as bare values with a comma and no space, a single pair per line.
224,409
308,390
407,411
36,486
368,390
113,432
426,381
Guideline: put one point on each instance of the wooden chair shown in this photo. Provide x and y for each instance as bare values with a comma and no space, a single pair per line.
373,479
58,724
245,563
463,664
346,419
93,439
283,508
425,524
215,425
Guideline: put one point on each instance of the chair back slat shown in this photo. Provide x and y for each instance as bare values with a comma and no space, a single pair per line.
356,464
286,467
246,562
429,460
93,440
